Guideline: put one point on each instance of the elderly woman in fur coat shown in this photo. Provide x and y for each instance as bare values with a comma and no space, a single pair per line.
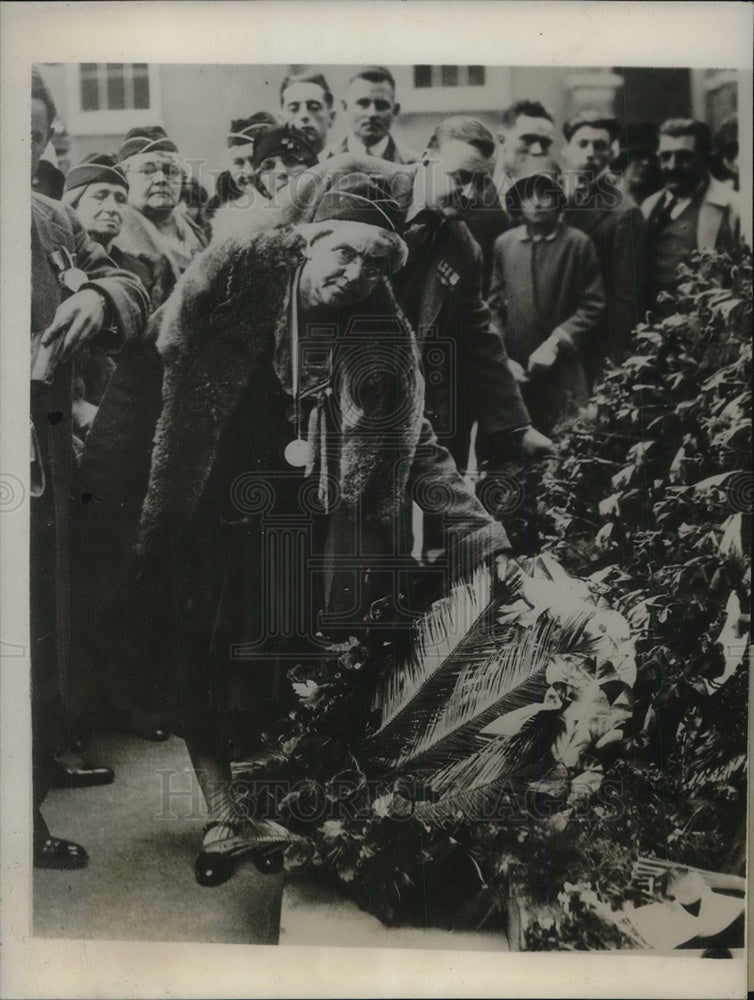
290,445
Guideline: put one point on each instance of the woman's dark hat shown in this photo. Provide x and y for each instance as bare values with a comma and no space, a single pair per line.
145,139
361,198
283,141
97,168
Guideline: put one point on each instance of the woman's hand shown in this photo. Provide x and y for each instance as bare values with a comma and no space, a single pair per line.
80,318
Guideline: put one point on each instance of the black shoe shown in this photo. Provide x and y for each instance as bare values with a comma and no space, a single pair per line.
62,855
147,726
72,772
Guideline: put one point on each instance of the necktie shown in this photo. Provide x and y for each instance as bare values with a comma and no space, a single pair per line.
660,218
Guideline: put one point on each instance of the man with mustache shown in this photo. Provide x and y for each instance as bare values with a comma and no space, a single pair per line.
440,291
693,211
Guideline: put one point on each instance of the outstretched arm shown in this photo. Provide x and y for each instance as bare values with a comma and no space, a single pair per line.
437,486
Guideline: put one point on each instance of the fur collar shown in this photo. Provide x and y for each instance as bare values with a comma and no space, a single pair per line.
227,319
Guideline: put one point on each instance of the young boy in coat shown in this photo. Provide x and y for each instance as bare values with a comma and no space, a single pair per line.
547,300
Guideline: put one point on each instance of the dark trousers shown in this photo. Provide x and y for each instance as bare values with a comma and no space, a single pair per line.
50,582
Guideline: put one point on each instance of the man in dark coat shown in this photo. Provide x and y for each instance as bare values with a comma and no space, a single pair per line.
614,223
693,210
77,295
290,445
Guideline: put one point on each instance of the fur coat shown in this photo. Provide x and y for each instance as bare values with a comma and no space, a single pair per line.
224,324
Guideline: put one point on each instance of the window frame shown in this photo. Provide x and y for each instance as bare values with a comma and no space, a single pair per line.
452,100
107,121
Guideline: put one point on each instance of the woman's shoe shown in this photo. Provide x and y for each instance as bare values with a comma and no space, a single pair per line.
260,841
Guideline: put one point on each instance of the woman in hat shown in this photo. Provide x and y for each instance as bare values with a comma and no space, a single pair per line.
290,443
117,405
97,189
155,220
280,154
234,181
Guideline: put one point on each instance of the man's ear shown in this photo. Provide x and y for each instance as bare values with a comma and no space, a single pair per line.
396,109
343,104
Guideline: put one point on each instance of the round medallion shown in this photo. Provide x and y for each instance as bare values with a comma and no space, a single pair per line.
74,278
297,453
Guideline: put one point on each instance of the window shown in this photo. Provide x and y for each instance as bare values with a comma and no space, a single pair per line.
114,86
111,97
449,76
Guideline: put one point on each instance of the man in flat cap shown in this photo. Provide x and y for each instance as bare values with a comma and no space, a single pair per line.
78,296
154,221
370,108
600,208
292,416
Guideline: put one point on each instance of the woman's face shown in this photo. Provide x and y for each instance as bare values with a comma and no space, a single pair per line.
277,171
241,165
100,209
344,265
155,181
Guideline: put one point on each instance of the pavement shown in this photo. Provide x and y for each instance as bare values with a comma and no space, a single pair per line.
142,834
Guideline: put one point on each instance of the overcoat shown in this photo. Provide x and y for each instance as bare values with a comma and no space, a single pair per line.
615,225
536,287
55,230
249,550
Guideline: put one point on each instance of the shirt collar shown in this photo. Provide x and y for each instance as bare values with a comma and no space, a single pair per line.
355,145
525,237
668,197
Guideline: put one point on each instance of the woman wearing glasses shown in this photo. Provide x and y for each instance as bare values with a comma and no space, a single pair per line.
155,221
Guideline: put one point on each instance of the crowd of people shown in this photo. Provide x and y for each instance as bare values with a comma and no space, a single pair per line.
338,333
